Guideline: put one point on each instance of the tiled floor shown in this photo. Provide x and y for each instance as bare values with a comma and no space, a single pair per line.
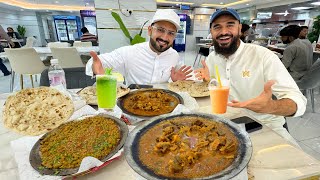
305,129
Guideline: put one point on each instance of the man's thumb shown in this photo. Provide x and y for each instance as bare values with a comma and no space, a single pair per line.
94,56
268,85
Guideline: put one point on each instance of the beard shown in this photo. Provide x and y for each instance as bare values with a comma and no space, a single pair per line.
286,41
158,47
223,49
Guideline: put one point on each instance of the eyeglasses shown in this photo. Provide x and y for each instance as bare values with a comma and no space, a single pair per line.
161,30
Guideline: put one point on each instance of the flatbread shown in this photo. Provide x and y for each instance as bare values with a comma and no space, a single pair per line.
195,89
90,95
36,111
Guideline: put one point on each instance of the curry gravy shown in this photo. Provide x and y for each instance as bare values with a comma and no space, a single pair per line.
188,147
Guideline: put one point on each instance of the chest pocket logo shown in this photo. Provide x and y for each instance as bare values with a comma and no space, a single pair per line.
246,74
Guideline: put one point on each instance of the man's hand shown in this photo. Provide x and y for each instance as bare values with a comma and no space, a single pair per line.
203,73
96,64
261,104
181,74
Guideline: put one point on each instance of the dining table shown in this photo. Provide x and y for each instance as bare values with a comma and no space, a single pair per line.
46,51
273,157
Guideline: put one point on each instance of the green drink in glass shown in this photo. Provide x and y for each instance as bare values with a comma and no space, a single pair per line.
106,91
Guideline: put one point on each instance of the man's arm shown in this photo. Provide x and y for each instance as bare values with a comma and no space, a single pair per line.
265,104
288,56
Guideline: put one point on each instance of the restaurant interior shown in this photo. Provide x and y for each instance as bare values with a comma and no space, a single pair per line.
52,29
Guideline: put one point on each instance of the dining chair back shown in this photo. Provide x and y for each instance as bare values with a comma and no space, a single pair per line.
82,44
310,81
30,42
68,57
58,44
24,61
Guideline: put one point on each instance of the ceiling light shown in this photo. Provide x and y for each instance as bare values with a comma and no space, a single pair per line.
284,14
21,9
47,10
177,4
316,3
301,8
221,2
247,4
87,3
57,2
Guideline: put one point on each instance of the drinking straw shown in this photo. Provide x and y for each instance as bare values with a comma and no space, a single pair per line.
218,75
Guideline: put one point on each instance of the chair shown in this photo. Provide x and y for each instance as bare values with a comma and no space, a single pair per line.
31,41
68,57
310,81
82,44
75,78
203,51
58,44
24,61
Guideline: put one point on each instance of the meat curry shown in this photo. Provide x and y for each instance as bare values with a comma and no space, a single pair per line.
150,103
188,147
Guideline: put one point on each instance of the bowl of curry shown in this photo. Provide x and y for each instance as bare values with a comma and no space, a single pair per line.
60,151
188,146
149,102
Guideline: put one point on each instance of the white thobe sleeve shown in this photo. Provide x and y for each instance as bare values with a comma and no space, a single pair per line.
285,86
115,60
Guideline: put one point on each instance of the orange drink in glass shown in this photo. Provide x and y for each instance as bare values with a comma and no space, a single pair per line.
218,96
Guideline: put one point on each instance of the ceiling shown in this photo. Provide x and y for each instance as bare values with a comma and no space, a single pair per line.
69,5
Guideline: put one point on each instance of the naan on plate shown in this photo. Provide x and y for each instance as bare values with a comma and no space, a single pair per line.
195,89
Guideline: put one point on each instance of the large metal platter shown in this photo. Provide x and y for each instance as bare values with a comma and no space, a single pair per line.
122,99
35,159
131,147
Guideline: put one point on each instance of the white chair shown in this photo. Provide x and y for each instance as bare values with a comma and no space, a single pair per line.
30,42
58,44
24,61
68,57
82,44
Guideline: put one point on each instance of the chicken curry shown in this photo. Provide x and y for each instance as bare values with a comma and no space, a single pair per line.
188,147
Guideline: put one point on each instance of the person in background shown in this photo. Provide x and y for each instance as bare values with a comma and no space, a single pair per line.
303,36
304,32
14,35
4,35
150,62
244,32
86,36
253,73
296,55
252,33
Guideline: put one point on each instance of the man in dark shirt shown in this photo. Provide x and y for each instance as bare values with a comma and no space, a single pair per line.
86,36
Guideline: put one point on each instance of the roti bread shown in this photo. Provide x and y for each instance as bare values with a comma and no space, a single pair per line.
36,111
90,95
195,89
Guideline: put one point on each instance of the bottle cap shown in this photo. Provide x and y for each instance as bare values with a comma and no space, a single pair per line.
54,61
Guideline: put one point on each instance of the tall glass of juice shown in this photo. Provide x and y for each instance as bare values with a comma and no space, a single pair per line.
106,91
218,96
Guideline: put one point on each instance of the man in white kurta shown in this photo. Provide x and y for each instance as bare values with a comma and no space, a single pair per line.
254,74
151,62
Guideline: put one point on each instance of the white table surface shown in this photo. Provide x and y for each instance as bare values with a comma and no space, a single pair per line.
46,51
273,157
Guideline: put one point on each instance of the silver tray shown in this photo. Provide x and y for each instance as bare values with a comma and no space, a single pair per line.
121,100
131,147
35,159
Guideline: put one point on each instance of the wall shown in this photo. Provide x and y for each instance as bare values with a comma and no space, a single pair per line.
110,35
12,18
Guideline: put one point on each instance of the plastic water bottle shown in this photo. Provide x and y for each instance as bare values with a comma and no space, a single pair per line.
56,74
314,45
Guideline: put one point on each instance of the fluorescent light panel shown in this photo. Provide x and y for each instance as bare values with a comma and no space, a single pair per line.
26,5
301,8
316,3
